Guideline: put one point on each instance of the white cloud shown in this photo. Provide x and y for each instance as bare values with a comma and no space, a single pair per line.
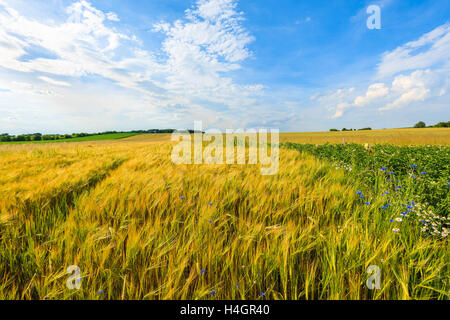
55,82
199,50
412,95
405,89
419,78
340,109
374,92
82,45
336,95
428,62
112,17
24,88
411,88
429,50
210,42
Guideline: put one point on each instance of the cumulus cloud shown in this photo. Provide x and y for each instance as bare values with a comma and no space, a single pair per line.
411,88
374,92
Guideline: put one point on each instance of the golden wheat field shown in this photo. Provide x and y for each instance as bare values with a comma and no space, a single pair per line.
415,136
140,227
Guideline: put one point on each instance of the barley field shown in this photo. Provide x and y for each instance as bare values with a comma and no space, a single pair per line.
140,227
414,136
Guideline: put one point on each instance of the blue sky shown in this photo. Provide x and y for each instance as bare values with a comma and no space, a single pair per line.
72,66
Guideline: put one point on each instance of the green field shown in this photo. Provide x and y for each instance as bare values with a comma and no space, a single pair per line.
109,136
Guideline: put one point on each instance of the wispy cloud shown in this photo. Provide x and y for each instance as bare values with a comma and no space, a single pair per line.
55,82
430,50
204,46
198,50
83,45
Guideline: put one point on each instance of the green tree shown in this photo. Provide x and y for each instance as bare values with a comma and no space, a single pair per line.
420,124
443,124
36,137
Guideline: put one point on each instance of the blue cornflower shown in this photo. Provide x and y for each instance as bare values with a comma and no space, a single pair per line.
210,203
423,221
367,203
403,213
100,292
413,166
409,207
361,197
448,183
359,192
263,294
181,197
202,271
382,169
387,192
384,208
399,187
412,176
392,220
213,292
210,221
424,173
391,172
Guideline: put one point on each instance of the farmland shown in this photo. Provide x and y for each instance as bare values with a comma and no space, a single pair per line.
411,136
109,136
140,227
422,172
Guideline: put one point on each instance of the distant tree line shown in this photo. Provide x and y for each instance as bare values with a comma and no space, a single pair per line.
345,129
419,124
422,124
5,137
